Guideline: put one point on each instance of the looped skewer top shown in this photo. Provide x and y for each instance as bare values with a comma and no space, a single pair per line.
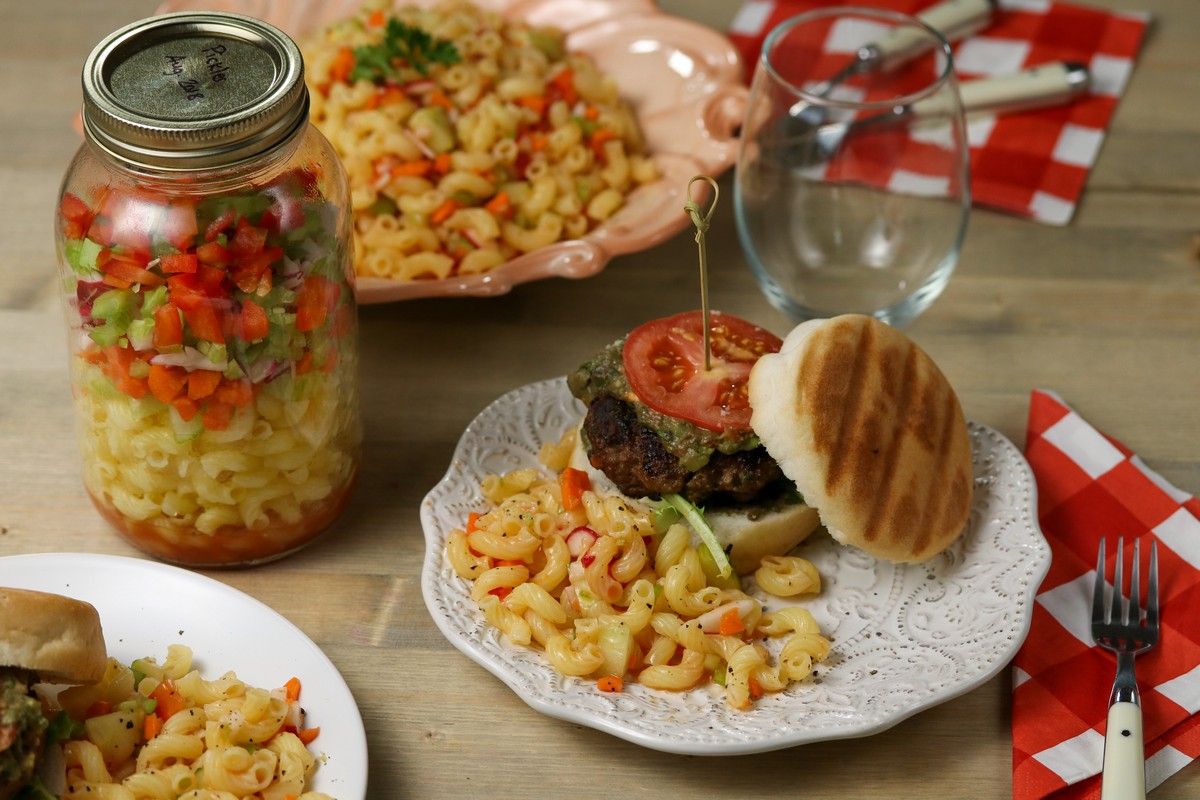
701,222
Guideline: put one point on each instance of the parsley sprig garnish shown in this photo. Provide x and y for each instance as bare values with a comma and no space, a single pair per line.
402,45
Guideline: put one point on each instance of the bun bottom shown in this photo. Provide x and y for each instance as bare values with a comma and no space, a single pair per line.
747,534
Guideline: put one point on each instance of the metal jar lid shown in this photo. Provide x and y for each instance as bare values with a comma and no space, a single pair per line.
193,91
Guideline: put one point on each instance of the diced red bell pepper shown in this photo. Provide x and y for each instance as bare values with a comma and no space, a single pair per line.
317,297
186,291
248,240
250,270
168,327
129,271
213,254
220,224
178,262
75,209
254,321
204,323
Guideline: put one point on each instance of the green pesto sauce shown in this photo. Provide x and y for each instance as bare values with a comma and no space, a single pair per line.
604,374
26,713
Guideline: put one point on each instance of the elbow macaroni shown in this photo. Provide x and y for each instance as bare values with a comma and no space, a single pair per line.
595,585
228,741
535,138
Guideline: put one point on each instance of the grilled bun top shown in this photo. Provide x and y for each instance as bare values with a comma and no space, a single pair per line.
58,638
871,432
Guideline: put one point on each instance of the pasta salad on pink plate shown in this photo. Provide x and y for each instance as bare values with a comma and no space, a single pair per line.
678,103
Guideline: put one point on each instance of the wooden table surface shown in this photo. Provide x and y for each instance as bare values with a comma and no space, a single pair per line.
1105,311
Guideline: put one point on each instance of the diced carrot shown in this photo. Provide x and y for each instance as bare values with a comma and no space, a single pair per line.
377,19
501,592
610,683
443,212
216,416
574,482
472,518
166,382
439,98
599,138
500,205
187,407
390,96
534,102
442,163
201,383
305,364
308,734
342,65
731,623
563,85
756,690
537,141
292,689
591,113
151,727
236,392
420,167
115,282
169,701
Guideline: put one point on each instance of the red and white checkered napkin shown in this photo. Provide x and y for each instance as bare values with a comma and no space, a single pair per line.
1091,486
1031,163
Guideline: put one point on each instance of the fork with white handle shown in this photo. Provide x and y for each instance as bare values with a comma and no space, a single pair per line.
1120,628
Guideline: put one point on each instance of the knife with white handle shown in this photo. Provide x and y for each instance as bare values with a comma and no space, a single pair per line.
1037,87
953,19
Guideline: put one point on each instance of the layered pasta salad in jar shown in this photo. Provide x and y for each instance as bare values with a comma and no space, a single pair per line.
213,360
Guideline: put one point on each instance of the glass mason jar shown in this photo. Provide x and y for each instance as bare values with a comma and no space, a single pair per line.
203,235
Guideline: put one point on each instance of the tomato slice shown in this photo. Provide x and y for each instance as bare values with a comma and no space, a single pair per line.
664,361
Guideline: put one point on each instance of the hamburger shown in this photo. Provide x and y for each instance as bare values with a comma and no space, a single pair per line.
846,423
44,638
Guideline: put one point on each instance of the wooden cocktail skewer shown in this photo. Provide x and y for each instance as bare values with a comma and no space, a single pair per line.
701,223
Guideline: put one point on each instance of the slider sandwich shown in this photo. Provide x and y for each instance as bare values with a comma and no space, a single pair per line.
847,423
44,638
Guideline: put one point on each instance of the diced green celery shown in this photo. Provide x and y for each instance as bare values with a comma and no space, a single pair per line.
106,335
616,646
549,42
214,352
153,300
81,255
141,330
185,429
139,369
114,303
432,126
233,370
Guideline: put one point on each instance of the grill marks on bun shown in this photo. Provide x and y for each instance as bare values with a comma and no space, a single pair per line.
871,432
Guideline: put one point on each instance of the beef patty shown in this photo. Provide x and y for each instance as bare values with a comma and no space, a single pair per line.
633,457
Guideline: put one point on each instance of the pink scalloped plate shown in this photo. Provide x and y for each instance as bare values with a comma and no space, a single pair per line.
683,80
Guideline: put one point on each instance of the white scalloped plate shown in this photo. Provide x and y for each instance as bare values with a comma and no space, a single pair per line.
906,637
682,79
146,606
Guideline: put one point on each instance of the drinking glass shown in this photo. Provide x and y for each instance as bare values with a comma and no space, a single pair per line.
852,186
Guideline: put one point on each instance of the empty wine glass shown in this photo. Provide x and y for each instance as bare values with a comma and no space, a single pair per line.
852,185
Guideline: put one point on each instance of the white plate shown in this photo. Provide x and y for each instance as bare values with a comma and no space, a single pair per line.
905,637
145,606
